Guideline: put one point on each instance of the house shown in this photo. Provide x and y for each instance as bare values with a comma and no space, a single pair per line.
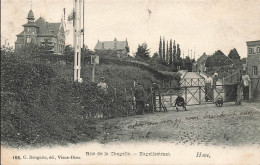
200,64
121,47
40,32
253,65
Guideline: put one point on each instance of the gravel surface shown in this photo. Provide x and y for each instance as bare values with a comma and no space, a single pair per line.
229,125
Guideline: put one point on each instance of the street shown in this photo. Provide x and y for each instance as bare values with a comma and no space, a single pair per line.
201,125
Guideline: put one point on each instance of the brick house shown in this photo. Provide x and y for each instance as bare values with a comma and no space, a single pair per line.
121,47
253,63
38,31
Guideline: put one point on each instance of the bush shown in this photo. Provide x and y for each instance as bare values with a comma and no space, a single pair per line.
39,107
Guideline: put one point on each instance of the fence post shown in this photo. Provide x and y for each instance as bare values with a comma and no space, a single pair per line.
160,101
199,94
133,103
152,95
191,82
186,95
170,99
250,90
231,76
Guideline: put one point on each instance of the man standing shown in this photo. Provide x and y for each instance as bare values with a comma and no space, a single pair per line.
245,83
208,88
139,98
215,79
103,86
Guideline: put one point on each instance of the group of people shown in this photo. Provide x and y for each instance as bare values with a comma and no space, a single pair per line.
243,86
139,95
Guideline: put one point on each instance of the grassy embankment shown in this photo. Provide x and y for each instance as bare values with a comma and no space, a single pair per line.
40,104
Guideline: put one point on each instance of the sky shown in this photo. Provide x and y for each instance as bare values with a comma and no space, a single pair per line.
197,25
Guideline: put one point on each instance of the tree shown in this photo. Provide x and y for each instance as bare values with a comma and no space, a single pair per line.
68,51
233,54
156,56
143,52
160,47
167,53
178,54
170,52
174,52
218,59
163,48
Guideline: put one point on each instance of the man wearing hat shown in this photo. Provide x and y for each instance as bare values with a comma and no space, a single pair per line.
245,83
103,86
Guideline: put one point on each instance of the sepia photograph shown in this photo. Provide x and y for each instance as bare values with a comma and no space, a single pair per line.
130,82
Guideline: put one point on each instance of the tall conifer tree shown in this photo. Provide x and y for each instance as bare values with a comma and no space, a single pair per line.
174,52
170,52
163,48
160,47
167,53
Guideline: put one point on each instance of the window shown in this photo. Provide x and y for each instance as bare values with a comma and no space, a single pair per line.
254,70
29,39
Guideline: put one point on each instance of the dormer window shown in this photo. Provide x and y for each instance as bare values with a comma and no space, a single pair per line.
28,29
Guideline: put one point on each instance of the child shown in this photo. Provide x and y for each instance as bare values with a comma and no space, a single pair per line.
180,102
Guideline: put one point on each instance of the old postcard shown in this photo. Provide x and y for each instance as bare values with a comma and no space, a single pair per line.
130,82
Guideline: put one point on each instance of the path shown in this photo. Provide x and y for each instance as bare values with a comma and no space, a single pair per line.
201,125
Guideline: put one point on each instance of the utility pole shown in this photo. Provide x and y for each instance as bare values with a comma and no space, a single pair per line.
83,24
83,33
77,39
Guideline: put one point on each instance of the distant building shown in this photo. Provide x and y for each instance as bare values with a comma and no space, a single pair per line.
121,47
200,64
253,63
39,31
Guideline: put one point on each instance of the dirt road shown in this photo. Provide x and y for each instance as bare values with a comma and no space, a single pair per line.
201,125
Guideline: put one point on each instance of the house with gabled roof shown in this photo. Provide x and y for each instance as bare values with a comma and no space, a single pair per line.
200,64
39,31
121,47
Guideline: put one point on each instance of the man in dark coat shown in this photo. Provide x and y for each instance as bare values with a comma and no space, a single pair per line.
179,102
139,98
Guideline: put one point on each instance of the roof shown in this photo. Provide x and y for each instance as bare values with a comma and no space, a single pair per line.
55,27
30,15
253,43
203,57
110,45
30,24
21,34
44,27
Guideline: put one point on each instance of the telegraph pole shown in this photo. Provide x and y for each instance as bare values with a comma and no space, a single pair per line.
83,24
77,39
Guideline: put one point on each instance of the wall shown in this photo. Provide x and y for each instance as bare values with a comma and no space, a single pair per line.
253,59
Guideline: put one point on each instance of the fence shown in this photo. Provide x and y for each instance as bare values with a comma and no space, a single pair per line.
233,76
122,102
196,95
192,82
